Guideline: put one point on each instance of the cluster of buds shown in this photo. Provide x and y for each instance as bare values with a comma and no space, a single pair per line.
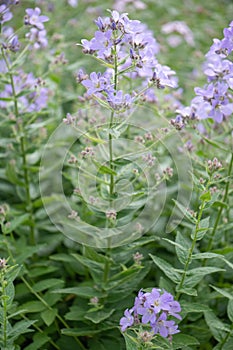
3,263
214,164
87,152
149,159
111,214
60,59
148,136
72,160
178,122
168,172
73,215
137,257
69,119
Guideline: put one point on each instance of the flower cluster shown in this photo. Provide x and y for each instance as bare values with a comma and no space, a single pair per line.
33,101
215,100
9,39
37,33
127,48
181,28
155,309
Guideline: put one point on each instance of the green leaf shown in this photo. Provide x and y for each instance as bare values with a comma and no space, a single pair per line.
181,340
19,220
183,248
130,342
223,292
194,276
205,256
39,339
77,313
206,196
185,212
83,291
98,316
95,268
32,306
188,307
217,327
85,331
216,144
47,284
103,169
19,328
12,176
187,290
169,271
10,292
203,228
230,310
48,316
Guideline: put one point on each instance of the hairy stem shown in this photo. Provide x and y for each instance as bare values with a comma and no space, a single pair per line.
191,250
29,207
210,244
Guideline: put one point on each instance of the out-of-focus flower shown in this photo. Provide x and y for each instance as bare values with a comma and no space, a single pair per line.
163,76
73,3
120,5
34,100
37,38
5,14
181,28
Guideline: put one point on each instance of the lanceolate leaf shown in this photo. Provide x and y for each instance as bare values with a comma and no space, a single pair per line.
169,271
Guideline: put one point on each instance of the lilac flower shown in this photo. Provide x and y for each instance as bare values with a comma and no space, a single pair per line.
127,320
214,102
38,38
102,43
158,302
14,44
100,24
154,308
35,100
162,77
97,83
164,327
118,101
227,42
219,69
73,3
34,18
121,4
5,14
86,44
181,28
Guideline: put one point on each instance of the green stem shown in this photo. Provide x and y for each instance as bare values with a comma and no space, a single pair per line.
191,250
110,126
4,304
41,331
50,308
210,244
23,155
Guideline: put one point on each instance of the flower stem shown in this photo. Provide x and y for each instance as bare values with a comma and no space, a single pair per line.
110,126
22,142
191,250
210,244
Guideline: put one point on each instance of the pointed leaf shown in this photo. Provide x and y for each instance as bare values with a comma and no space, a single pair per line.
168,269
49,316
